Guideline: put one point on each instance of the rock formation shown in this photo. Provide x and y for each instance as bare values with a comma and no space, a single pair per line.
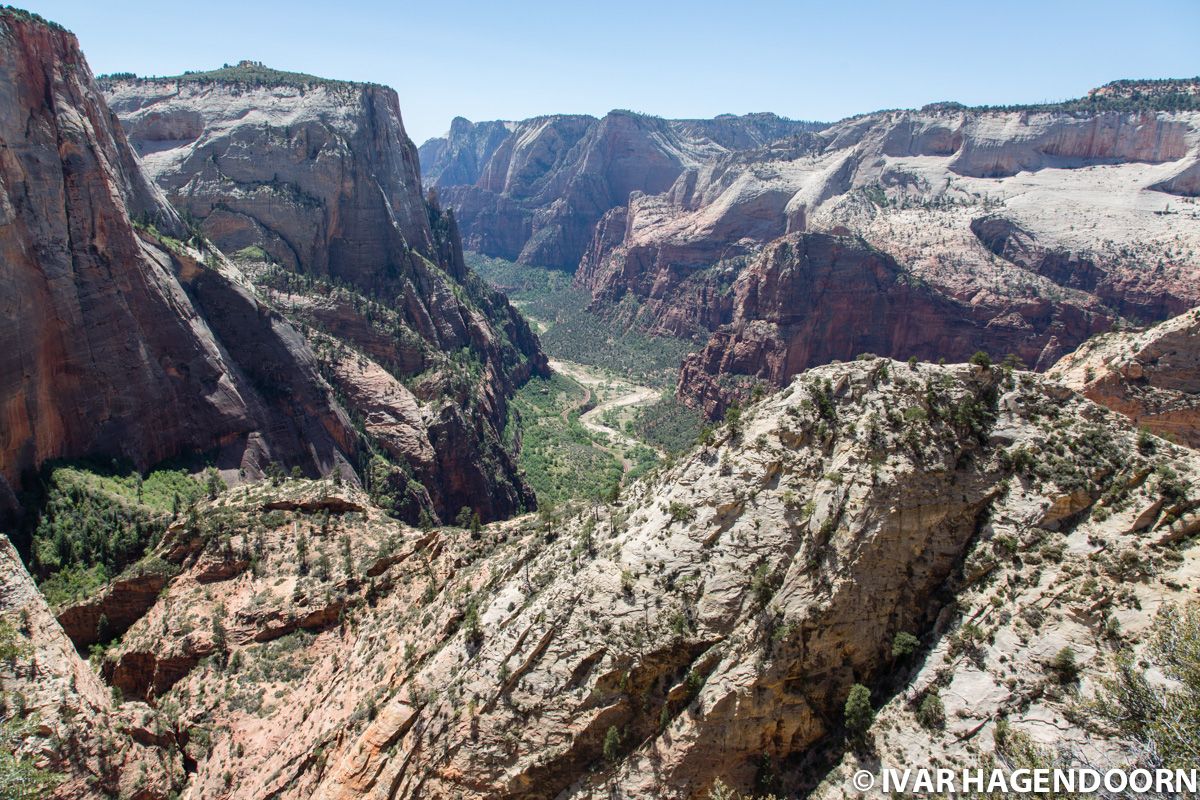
707,627
979,536
810,299
533,191
313,186
121,339
1150,376
1038,223
95,746
318,174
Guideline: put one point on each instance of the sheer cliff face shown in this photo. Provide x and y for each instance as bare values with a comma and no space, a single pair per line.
809,299
708,626
118,341
533,191
1039,222
317,180
321,177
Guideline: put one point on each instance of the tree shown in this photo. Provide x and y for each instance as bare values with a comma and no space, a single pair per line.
733,417
612,744
904,645
981,359
858,712
463,520
213,483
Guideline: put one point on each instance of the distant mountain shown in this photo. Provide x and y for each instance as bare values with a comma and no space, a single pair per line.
533,191
1039,226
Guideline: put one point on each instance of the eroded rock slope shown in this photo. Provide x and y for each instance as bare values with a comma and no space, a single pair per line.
706,627
1041,224
1151,376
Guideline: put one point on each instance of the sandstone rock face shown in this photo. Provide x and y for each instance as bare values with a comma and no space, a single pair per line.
1038,224
533,191
123,342
1151,376
314,184
809,299
320,176
97,747
708,624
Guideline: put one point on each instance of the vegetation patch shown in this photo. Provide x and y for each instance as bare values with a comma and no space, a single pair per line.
95,521
668,424
570,332
560,456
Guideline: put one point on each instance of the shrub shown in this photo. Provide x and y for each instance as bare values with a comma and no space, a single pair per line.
981,359
763,584
858,713
1064,666
931,713
1161,717
681,512
904,645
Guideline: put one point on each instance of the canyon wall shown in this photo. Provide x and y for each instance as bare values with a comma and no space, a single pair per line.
313,186
533,191
123,340
1042,225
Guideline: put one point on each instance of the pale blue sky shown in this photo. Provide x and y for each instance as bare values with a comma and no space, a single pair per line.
806,60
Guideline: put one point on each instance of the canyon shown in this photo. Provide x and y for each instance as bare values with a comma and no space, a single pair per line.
532,191
270,524
705,627
1030,228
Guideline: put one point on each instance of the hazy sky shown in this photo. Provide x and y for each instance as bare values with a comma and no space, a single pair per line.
510,60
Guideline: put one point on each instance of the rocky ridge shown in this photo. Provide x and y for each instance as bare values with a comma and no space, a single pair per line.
1150,376
706,627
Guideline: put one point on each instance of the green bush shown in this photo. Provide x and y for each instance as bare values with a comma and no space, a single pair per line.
931,713
1064,666
681,512
858,714
904,645
612,744
1161,717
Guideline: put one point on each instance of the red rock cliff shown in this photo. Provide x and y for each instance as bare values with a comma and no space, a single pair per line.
810,299
120,342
